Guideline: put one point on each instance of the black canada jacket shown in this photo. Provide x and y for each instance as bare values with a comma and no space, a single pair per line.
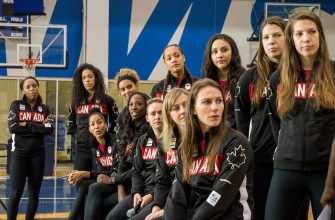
106,160
261,138
224,194
28,140
126,161
78,120
143,179
165,172
157,90
305,136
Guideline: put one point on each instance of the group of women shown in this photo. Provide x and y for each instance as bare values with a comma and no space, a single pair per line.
237,144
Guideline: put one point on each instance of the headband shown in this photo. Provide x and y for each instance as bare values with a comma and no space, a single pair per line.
131,78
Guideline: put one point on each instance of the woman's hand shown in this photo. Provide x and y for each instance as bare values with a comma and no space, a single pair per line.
76,176
102,178
327,195
23,124
146,200
137,198
156,212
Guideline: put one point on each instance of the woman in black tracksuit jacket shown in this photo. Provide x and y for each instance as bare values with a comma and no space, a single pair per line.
89,91
301,100
216,162
144,167
173,126
28,123
250,106
103,151
222,63
178,75
103,193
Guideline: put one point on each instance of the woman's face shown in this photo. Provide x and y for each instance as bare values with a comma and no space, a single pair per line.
177,112
137,107
306,38
97,126
127,88
208,107
88,80
174,61
154,116
221,54
273,41
30,89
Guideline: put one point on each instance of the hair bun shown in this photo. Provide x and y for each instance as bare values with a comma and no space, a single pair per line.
95,109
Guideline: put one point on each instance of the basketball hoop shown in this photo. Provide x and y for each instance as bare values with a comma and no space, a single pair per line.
29,65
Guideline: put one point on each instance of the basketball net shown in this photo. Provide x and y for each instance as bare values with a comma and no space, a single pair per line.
29,65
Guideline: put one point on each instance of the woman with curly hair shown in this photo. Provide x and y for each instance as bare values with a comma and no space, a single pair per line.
177,76
88,91
144,168
126,82
222,63
301,100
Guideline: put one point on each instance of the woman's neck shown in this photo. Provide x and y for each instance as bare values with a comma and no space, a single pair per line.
101,140
179,75
223,74
307,63
157,132
32,102
90,94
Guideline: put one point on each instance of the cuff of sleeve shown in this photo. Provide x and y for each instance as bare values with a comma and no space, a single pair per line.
117,179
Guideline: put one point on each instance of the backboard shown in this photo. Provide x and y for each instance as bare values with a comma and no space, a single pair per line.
47,43
285,10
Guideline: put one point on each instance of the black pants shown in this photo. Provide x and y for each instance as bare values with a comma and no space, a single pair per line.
262,179
96,207
119,212
79,203
288,191
22,167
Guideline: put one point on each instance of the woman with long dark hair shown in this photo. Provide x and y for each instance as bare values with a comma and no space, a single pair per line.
28,122
250,106
88,91
222,63
177,76
143,178
216,161
301,100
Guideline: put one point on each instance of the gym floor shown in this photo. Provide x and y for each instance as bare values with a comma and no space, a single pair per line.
56,196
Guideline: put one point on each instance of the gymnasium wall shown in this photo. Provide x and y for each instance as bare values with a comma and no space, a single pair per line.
113,34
